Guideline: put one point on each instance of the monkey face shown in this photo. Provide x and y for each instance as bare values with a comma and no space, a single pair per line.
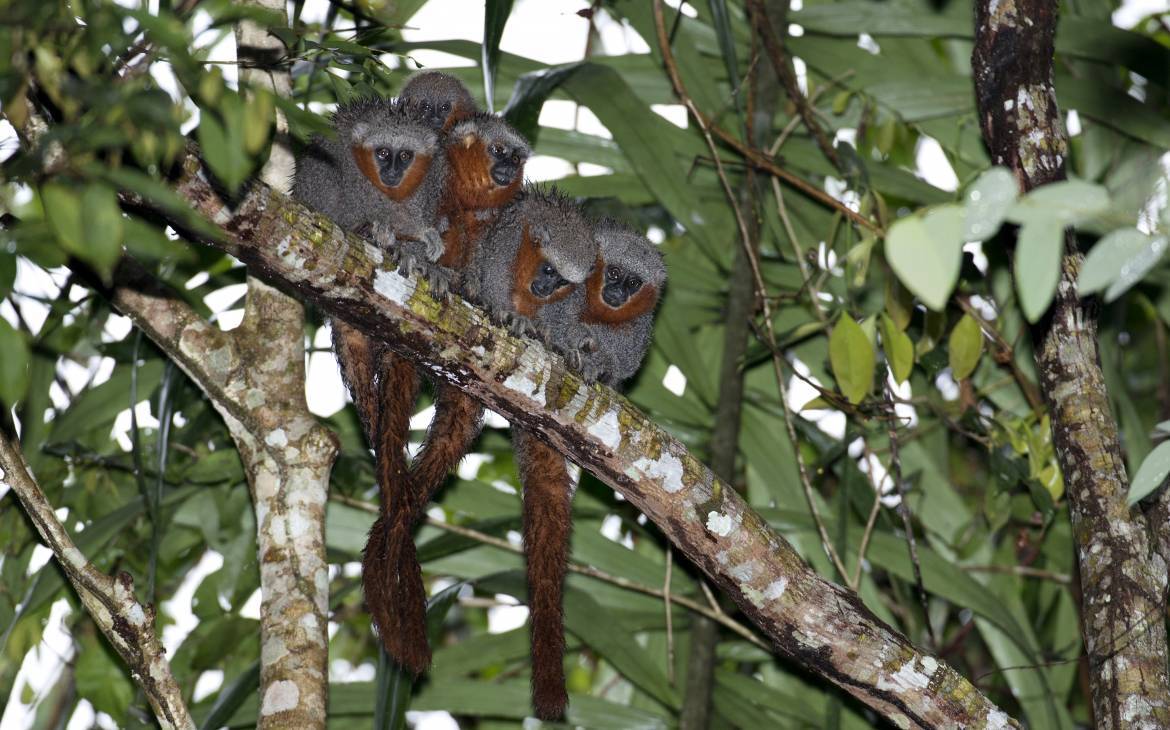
619,286
392,164
438,114
507,162
547,281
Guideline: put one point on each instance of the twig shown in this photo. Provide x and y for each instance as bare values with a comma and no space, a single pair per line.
781,63
904,513
589,570
869,525
761,290
669,616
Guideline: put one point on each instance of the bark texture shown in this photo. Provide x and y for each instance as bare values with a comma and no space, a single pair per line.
807,618
1123,578
128,625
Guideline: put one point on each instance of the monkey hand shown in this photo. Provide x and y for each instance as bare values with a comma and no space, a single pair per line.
384,235
439,278
522,326
433,241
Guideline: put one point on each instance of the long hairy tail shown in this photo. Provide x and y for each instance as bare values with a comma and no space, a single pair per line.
547,527
458,419
391,575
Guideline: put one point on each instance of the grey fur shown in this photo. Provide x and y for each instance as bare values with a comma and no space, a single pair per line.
432,89
555,222
609,353
328,178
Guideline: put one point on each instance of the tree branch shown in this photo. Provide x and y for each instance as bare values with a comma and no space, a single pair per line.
1123,579
127,624
821,625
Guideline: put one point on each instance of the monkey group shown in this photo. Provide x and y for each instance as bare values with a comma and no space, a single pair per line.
438,185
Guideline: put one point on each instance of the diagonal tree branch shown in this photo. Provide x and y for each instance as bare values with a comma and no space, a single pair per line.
817,623
127,624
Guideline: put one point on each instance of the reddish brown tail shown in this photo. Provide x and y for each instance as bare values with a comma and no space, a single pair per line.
458,418
391,576
356,355
547,525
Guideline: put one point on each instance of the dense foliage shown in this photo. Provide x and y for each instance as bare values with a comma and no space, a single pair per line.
912,338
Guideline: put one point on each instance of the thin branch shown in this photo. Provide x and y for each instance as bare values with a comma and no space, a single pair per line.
128,625
761,289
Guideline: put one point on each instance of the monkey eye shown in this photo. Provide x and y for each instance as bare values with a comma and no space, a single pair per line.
446,106
383,153
405,155
515,159
613,274
426,106
497,150
634,282
547,269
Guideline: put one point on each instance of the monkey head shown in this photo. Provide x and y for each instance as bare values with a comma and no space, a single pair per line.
627,277
391,144
442,98
556,250
486,158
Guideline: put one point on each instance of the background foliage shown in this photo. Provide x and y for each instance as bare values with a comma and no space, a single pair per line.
994,542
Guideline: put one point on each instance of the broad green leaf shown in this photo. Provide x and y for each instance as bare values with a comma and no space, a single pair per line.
852,357
899,349
1152,473
987,203
101,678
495,16
1118,261
62,205
259,112
102,227
1069,202
97,407
965,347
532,90
1037,265
926,253
225,158
14,362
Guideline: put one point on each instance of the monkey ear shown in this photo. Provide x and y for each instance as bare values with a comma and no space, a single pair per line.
359,130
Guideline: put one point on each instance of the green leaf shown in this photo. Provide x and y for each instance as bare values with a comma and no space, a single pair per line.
495,16
225,158
926,253
1069,202
1151,474
97,407
102,227
1037,265
259,113
987,203
101,678
898,347
851,355
1118,261
14,362
62,206
965,347
532,90
726,44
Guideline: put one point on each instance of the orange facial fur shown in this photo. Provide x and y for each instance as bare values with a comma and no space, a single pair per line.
364,157
470,183
524,270
598,312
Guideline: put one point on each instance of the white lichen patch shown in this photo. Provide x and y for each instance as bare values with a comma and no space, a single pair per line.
744,572
135,615
909,677
776,589
254,398
394,287
666,470
524,381
606,430
277,439
299,524
719,523
74,557
281,696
